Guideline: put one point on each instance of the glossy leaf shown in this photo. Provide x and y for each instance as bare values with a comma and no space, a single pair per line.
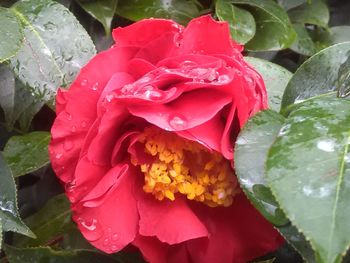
309,174
16,101
56,46
303,44
102,10
27,153
288,4
242,23
9,215
273,28
333,35
317,75
11,36
275,77
0,234
314,12
182,11
52,221
250,155
48,255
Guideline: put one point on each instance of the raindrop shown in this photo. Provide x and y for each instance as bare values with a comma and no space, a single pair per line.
67,145
84,82
83,124
284,130
109,97
114,247
115,237
93,229
326,145
73,129
106,242
223,79
95,86
177,122
69,117
144,79
58,156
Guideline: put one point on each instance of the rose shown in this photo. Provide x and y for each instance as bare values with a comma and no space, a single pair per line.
143,143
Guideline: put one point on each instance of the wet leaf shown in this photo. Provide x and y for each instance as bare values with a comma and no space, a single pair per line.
49,223
27,153
9,216
288,4
55,47
251,150
48,255
303,44
0,234
275,77
102,10
273,28
308,171
182,11
11,36
317,75
16,101
334,35
242,24
343,82
314,12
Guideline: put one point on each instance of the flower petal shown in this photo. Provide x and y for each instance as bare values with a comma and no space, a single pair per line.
184,113
240,229
170,221
143,32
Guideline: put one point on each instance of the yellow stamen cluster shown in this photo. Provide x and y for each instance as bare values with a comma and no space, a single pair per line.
186,167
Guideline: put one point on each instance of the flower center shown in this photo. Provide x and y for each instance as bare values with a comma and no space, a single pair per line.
182,166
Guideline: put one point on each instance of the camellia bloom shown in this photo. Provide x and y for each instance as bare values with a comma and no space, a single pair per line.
143,144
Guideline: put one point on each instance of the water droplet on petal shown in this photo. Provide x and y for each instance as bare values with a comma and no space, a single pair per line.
84,82
83,124
115,237
95,86
114,247
144,79
177,122
73,129
58,156
69,117
109,97
326,145
224,79
106,242
91,229
67,145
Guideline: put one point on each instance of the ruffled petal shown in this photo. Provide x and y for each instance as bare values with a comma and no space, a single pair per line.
171,222
204,35
184,113
112,224
143,32
240,230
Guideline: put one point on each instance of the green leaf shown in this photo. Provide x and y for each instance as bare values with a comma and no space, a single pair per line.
275,77
303,44
9,216
48,255
316,13
289,4
0,234
52,221
55,47
182,11
242,23
250,155
333,35
27,153
273,28
16,101
317,75
102,10
11,36
308,170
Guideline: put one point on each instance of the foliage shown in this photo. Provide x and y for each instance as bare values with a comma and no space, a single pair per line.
292,160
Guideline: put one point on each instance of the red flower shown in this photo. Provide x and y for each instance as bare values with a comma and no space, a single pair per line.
143,143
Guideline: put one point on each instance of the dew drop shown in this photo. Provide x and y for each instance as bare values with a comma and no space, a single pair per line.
223,79
84,82
92,229
58,156
69,117
326,145
70,186
106,242
109,97
67,145
115,237
114,247
83,124
177,122
95,86
73,129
